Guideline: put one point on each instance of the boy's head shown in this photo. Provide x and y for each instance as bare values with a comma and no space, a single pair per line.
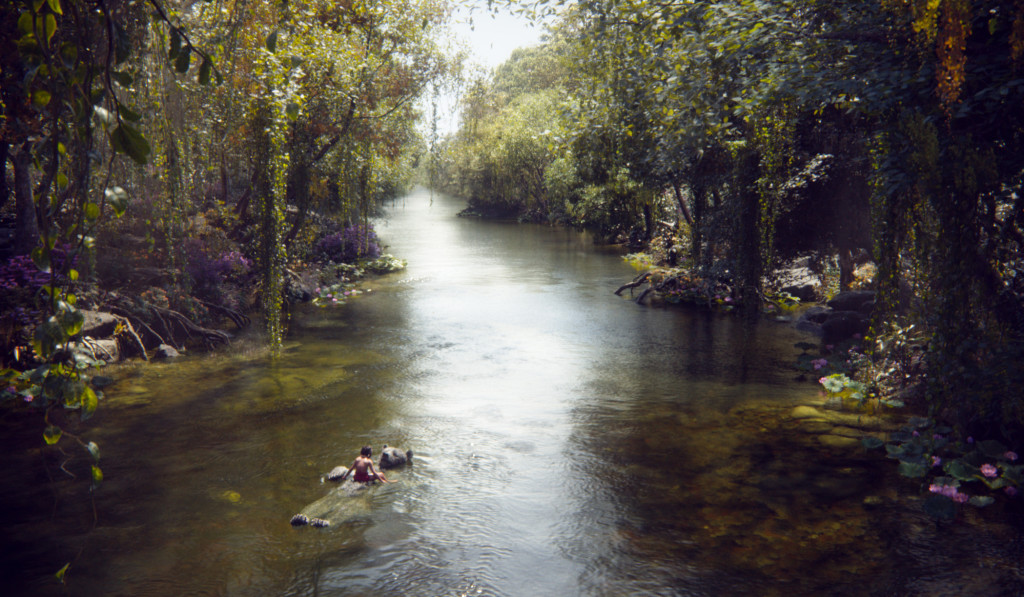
366,451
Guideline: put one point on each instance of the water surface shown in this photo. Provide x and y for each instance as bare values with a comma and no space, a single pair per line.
567,441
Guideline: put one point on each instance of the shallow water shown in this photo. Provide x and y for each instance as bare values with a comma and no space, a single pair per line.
567,441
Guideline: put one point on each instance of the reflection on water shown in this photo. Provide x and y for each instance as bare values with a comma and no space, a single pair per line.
568,442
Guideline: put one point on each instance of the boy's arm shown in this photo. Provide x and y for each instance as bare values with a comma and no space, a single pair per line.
345,476
378,475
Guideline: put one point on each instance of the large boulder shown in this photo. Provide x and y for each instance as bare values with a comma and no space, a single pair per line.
98,324
853,300
811,319
840,325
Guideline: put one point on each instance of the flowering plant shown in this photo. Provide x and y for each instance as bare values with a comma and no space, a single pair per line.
348,245
922,449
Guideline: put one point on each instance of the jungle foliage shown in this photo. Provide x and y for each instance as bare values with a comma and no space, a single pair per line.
738,133
189,156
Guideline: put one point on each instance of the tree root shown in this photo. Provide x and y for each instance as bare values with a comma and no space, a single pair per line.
637,281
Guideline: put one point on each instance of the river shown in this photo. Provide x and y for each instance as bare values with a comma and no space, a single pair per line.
567,442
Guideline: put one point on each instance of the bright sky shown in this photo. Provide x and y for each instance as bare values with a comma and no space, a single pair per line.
491,38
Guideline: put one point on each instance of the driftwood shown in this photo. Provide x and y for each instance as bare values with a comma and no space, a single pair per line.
637,281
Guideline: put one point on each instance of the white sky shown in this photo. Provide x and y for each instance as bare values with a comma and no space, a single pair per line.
491,39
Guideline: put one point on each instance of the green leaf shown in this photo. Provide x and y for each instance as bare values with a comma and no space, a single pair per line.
50,26
272,42
89,403
92,212
122,44
123,79
175,48
184,60
41,259
62,181
71,320
130,142
26,22
871,443
127,114
117,198
292,111
97,476
912,470
46,337
55,6
960,470
60,573
204,71
51,434
40,98
981,500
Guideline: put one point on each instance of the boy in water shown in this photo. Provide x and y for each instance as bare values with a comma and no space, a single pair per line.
363,465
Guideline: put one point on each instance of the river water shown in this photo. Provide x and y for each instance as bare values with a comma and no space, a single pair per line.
567,442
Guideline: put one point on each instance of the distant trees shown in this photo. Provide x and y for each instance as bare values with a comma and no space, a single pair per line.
764,128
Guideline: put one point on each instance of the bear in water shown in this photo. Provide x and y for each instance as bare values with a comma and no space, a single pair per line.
392,458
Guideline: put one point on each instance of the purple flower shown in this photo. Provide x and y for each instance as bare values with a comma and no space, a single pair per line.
1010,490
856,336
970,439
936,436
830,346
989,471
819,363
916,433
959,498
1010,455
936,461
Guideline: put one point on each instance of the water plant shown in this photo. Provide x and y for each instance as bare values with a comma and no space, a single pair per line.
955,472
385,264
840,388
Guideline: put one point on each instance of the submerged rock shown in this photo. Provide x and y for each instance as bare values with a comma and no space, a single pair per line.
165,351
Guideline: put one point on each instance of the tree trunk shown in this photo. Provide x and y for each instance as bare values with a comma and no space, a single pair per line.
26,233
681,202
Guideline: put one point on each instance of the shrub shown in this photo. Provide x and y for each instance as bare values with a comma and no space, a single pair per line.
349,245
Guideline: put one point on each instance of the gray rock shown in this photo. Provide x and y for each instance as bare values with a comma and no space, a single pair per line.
98,324
336,473
841,325
165,351
103,350
810,320
851,300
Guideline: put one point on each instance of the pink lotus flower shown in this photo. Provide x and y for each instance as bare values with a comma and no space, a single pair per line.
1010,455
989,471
819,363
936,461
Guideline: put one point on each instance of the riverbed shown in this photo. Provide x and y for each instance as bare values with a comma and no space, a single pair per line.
566,442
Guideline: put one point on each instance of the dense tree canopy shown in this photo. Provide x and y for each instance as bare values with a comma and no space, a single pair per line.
756,130
162,148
